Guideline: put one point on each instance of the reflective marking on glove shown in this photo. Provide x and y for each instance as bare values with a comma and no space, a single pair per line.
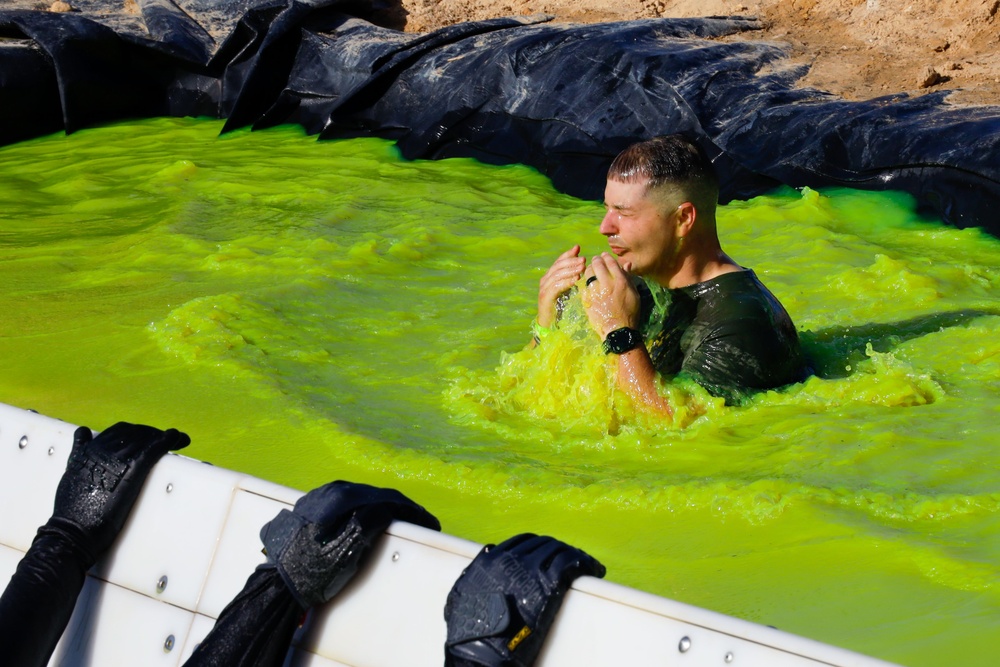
518,638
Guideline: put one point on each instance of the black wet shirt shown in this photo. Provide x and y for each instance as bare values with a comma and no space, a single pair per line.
731,335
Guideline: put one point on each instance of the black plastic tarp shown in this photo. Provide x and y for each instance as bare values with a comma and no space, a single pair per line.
562,98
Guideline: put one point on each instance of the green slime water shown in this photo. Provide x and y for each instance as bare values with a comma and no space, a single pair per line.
318,310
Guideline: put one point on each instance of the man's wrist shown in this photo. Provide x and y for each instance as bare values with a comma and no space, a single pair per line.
71,538
538,332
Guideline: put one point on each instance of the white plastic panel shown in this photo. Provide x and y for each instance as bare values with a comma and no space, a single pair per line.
437,540
619,634
239,550
173,533
724,629
115,627
29,474
260,487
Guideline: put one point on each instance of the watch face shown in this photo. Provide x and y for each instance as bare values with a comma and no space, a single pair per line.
622,340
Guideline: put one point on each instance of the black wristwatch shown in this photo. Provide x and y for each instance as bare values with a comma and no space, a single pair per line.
622,340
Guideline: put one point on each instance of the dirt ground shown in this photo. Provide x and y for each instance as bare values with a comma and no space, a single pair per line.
856,48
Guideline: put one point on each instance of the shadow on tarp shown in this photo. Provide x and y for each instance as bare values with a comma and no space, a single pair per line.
562,98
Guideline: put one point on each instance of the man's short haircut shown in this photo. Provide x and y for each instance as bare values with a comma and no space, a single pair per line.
672,160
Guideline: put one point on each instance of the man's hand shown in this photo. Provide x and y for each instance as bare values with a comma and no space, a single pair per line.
320,544
503,606
312,552
611,301
103,478
561,276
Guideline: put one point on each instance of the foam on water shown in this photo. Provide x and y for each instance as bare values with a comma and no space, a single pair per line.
310,310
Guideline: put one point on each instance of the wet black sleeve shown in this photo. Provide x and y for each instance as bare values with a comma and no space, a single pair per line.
39,600
255,629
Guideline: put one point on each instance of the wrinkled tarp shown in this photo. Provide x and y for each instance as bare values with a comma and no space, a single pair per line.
562,98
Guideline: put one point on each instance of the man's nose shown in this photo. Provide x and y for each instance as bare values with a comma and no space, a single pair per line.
609,225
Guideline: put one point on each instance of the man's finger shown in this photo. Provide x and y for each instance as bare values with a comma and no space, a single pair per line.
560,282
612,265
173,440
572,252
601,269
569,273
574,264
81,437
569,264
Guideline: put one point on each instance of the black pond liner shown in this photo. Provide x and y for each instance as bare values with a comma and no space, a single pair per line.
562,98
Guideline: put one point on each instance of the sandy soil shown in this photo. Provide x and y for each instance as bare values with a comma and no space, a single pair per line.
856,48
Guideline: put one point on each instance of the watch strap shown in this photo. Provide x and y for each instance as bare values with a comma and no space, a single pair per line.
622,340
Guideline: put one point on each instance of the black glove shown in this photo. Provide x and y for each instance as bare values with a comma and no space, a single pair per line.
502,607
319,545
103,478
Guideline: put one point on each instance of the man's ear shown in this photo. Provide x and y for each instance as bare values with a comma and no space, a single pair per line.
686,216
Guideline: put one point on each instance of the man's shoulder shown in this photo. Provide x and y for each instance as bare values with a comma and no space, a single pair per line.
738,296
742,339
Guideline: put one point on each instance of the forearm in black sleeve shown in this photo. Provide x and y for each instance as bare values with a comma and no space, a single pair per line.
255,629
39,600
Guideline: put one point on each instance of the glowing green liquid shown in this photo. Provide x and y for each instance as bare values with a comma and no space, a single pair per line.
317,310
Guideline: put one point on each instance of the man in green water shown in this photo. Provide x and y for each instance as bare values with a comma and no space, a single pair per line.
723,327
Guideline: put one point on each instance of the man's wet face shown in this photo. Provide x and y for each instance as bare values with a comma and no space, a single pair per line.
639,232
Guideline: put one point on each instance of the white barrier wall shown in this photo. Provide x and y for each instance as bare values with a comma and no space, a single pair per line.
192,540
